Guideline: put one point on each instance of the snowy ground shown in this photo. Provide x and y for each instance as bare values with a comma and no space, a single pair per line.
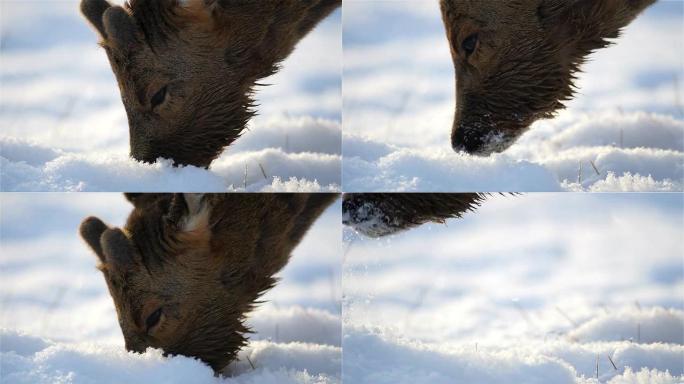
398,104
536,288
64,127
58,322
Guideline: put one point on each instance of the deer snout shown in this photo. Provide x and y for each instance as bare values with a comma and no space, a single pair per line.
461,142
141,148
479,139
135,344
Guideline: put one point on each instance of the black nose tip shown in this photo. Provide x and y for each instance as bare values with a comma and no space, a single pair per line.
466,143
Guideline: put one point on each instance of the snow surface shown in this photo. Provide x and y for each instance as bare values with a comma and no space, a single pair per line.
532,288
58,322
398,105
64,127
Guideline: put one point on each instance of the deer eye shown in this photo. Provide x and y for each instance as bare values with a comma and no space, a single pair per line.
469,44
153,319
158,98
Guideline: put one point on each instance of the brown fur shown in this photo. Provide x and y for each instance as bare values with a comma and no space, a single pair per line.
203,259
524,62
381,214
207,54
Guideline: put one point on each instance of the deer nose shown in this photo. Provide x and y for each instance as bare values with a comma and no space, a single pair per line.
463,140
141,151
134,344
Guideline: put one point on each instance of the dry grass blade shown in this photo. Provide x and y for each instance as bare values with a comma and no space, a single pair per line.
612,362
594,166
597,366
250,363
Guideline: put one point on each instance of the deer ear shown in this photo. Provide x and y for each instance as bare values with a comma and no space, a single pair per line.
120,28
116,248
91,230
93,11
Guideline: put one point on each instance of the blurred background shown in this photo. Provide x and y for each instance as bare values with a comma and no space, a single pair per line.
563,278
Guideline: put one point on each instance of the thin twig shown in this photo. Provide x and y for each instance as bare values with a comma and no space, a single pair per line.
597,365
262,171
594,166
579,173
250,362
611,361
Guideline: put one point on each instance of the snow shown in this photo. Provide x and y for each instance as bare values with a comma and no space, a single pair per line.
58,322
92,363
529,288
627,117
657,325
393,360
64,127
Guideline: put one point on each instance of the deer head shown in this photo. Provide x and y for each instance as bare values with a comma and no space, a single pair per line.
186,69
186,268
516,60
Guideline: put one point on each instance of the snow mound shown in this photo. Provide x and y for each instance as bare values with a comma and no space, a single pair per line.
377,355
380,358
434,170
657,325
27,166
574,161
644,376
632,130
322,362
26,359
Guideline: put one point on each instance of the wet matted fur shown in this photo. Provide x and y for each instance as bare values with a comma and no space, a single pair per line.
186,268
382,214
187,69
516,61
